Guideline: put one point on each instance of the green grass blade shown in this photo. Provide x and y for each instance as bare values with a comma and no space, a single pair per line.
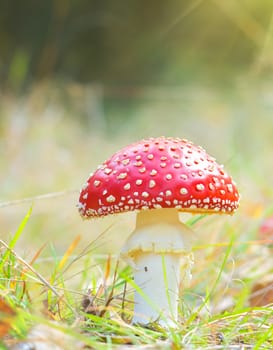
208,295
16,236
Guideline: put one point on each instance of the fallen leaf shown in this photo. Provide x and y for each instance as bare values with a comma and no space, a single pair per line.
46,337
261,293
7,316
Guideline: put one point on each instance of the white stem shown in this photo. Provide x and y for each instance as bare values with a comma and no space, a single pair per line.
156,249
158,277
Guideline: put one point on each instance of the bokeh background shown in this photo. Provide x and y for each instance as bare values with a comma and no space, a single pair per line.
80,79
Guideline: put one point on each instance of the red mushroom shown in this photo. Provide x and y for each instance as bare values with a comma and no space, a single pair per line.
266,230
158,177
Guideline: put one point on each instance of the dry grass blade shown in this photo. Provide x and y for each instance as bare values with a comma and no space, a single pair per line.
37,254
107,268
69,252
111,294
36,198
99,303
29,267
91,246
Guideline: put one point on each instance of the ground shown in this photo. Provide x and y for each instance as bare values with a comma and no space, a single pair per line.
62,274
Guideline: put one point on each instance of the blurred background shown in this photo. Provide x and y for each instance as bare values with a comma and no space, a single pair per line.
80,79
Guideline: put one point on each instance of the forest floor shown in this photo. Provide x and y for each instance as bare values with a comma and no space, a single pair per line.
62,284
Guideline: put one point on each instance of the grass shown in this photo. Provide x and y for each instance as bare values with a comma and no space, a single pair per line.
97,316
59,275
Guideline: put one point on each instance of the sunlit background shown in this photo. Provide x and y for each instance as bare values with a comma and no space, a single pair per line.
80,79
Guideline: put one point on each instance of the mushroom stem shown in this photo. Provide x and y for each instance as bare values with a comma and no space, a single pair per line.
156,249
158,277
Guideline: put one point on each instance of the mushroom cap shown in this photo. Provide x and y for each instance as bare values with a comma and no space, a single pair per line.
159,173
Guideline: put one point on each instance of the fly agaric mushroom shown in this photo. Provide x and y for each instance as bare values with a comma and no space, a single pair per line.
158,177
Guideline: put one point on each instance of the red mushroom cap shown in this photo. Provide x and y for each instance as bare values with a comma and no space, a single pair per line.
159,173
